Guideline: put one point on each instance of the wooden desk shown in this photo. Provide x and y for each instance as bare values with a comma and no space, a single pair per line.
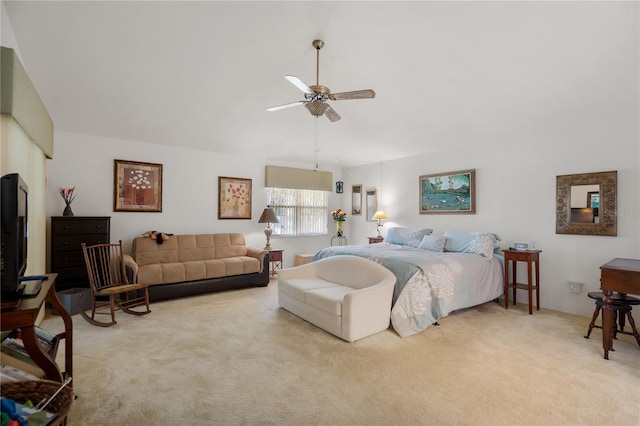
24,318
622,276
530,257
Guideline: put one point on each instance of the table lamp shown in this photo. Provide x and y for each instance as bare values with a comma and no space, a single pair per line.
379,216
268,216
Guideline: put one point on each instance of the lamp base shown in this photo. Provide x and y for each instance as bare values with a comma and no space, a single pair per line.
267,233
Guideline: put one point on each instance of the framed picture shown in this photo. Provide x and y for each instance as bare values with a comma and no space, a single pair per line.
356,200
453,192
593,199
137,186
372,204
234,198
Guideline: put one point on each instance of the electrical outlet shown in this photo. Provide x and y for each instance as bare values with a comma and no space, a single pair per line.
575,287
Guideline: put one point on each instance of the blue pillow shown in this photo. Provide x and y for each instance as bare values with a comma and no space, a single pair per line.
471,242
406,236
433,243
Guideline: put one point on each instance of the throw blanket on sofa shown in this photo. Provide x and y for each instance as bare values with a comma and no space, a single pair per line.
430,285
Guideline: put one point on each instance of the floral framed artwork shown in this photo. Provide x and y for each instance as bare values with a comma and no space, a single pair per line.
449,193
234,198
137,186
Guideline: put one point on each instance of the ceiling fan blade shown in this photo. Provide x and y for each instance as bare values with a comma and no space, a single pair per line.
298,83
356,94
279,107
331,114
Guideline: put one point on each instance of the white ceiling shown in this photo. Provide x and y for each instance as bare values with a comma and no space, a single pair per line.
446,74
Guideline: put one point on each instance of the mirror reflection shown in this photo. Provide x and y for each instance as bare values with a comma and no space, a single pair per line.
372,204
356,200
585,201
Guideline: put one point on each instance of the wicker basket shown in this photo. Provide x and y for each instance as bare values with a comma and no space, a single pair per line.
37,390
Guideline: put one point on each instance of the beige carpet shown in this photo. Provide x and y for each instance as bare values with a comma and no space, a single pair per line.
236,358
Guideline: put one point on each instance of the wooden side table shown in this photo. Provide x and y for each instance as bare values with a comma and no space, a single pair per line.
375,240
530,257
24,317
275,261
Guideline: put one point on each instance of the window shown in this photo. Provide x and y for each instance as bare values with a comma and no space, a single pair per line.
301,212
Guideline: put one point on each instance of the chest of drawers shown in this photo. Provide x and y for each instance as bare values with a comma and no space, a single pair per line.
67,235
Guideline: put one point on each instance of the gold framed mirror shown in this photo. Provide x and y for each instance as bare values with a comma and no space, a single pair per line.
356,200
586,204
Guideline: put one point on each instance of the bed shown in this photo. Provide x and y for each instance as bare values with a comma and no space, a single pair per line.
430,284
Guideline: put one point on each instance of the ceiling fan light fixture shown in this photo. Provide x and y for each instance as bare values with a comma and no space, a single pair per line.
317,108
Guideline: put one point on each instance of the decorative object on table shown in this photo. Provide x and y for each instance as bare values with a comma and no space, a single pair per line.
137,187
339,216
452,192
268,216
356,200
234,198
380,216
339,187
68,196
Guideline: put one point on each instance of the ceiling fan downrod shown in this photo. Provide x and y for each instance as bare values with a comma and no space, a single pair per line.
318,44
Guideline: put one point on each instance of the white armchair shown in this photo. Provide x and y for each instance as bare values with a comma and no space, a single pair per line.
348,296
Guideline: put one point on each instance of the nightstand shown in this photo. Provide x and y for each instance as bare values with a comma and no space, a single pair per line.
530,257
375,240
275,260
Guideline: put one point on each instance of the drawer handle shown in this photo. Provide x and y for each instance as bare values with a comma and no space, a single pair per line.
99,226
66,227
66,243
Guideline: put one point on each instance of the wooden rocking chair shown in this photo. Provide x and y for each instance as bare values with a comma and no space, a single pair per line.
107,277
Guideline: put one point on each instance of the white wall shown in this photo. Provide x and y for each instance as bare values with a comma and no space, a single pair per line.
190,189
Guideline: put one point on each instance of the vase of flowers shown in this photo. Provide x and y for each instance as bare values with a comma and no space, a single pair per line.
68,196
339,216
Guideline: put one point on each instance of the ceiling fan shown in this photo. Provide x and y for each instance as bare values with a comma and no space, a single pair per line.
316,96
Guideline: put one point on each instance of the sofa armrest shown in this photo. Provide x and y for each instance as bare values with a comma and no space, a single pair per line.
258,254
131,268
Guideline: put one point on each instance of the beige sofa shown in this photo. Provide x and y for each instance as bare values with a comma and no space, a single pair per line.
191,264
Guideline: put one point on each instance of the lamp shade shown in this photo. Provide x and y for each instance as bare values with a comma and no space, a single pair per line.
379,215
268,216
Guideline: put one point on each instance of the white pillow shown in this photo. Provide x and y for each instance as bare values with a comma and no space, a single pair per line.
433,243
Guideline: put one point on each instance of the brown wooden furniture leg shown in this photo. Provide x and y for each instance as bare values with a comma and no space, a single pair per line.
607,318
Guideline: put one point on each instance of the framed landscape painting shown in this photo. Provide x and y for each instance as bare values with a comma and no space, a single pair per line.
453,192
234,198
137,186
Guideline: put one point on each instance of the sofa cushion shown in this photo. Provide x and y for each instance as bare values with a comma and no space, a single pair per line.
297,287
328,299
167,273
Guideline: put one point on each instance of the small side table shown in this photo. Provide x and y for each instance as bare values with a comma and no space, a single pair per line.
275,261
530,257
375,240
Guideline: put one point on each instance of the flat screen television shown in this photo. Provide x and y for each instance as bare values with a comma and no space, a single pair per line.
15,231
